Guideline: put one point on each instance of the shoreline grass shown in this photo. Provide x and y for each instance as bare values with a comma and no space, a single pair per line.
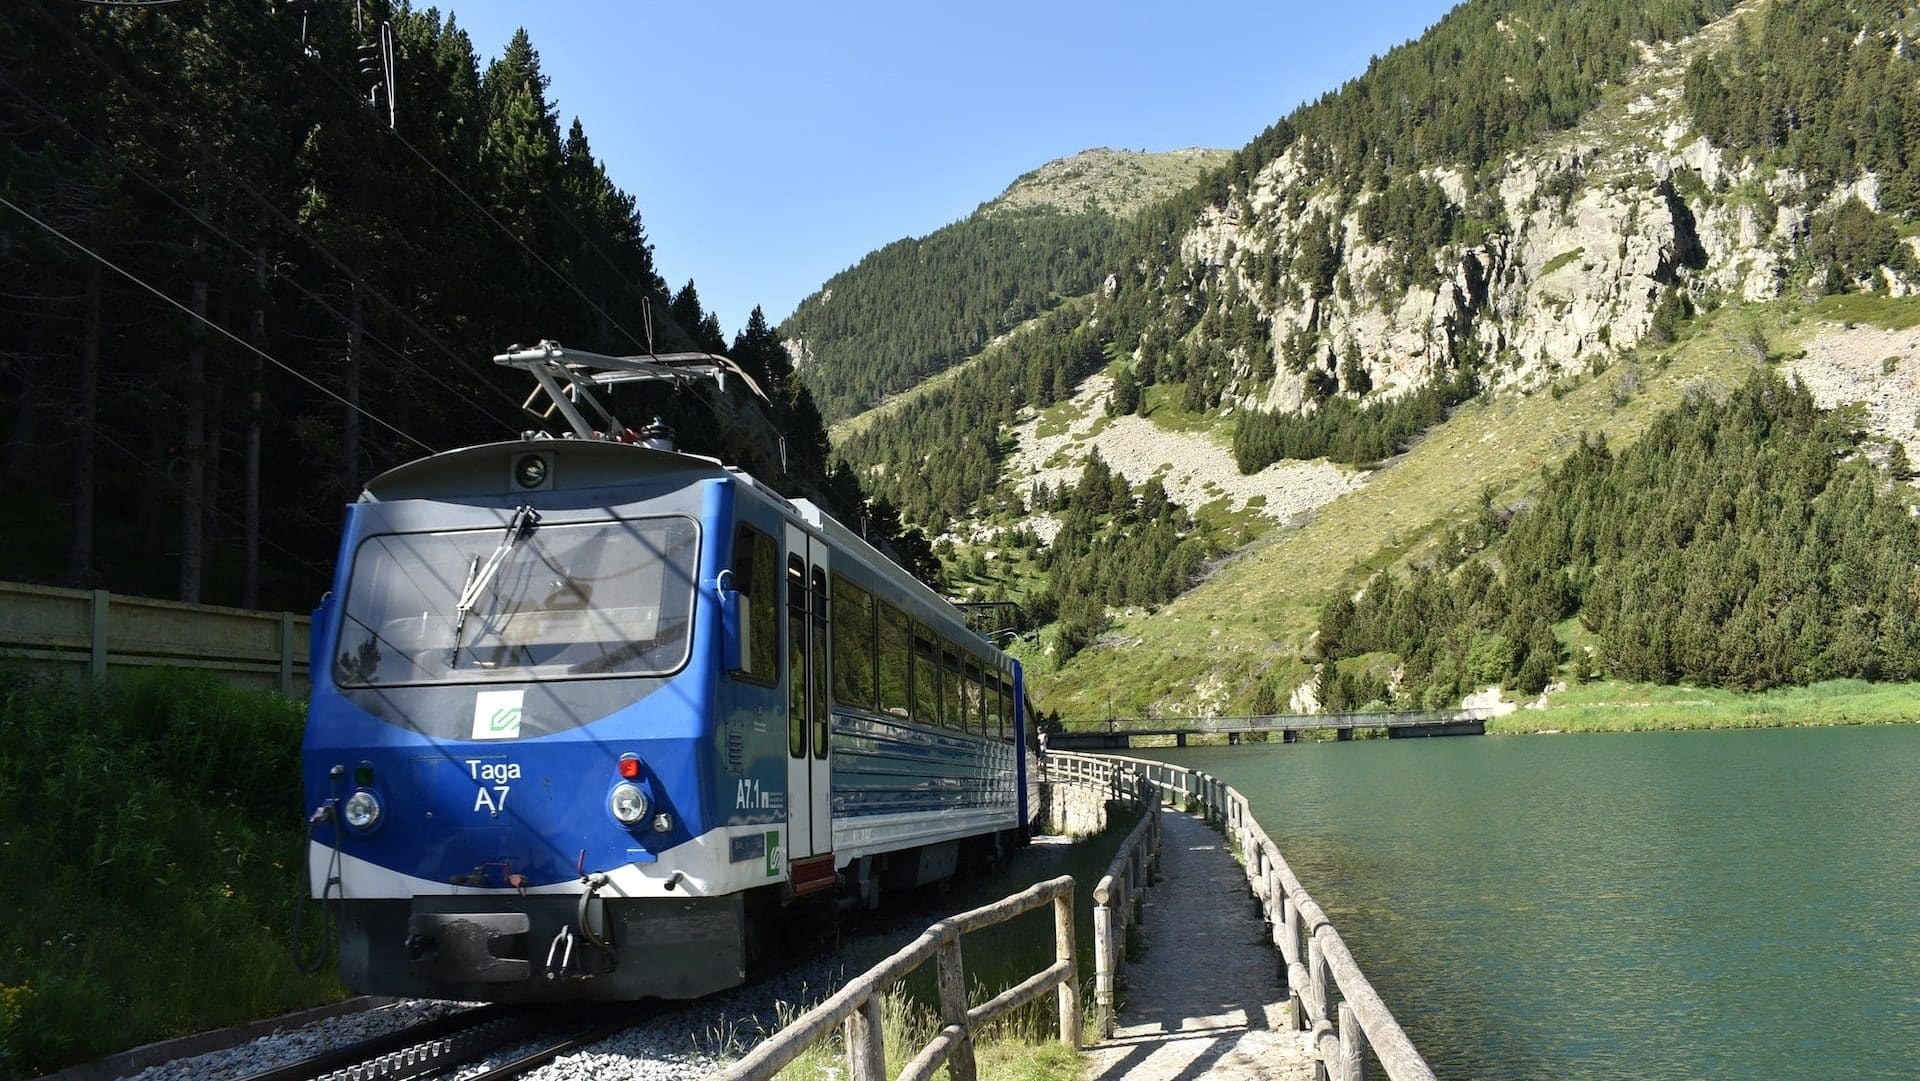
1608,706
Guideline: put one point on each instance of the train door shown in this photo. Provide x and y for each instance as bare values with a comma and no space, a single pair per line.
809,792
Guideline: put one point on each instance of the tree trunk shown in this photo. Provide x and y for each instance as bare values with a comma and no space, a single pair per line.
250,541
194,472
210,479
22,461
86,410
350,433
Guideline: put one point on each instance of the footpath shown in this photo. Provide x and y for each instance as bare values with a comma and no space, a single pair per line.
1206,1001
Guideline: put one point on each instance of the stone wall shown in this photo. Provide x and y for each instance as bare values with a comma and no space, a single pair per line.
1072,809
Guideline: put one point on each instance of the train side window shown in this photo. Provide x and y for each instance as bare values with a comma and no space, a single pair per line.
995,719
926,678
896,651
976,701
756,574
954,699
853,644
797,661
821,630
1006,710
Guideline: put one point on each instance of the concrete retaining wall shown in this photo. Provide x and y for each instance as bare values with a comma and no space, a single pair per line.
91,633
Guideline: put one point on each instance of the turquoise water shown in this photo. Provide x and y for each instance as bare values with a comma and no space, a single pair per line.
1658,905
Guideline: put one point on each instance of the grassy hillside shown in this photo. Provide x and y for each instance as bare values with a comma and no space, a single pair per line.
1246,624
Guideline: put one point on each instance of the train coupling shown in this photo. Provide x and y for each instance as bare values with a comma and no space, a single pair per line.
560,954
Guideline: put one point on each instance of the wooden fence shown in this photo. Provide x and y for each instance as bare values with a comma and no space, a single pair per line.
1342,1034
857,1005
1116,900
93,632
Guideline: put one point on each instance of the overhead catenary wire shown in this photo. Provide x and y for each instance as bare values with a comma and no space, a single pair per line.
290,281
211,325
136,458
218,161
481,207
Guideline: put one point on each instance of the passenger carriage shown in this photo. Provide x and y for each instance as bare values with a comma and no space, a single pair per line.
587,711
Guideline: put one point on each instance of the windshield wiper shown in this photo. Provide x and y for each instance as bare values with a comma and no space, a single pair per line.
478,575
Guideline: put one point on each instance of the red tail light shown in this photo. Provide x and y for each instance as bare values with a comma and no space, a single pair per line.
629,767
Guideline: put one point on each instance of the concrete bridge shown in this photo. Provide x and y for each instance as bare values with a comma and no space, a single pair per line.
1118,734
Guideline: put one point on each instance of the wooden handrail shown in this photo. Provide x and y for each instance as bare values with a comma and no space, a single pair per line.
1135,865
1116,906
1340,1038
857,1004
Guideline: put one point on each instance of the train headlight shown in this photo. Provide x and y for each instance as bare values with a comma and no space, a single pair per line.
628,803
362,810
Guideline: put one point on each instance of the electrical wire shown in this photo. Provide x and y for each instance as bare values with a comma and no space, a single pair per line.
477,205
231,518
312,296
223,331
215,159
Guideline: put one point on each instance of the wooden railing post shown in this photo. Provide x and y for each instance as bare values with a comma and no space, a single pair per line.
1353,1046
953,1011
1103,959
1316,979
866,1042
1066,949
1290,956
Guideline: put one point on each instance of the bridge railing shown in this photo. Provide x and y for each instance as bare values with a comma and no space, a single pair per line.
857,1005
1342,1034
1284,722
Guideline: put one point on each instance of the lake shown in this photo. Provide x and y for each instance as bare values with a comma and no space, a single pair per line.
1740,904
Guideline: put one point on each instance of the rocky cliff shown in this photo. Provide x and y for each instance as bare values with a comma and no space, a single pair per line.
1548,261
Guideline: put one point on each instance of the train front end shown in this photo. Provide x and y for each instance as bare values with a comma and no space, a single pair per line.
510,744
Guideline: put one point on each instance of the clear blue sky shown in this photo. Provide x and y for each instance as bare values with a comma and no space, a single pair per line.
772,144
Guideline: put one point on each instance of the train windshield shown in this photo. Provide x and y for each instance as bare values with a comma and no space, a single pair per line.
562,601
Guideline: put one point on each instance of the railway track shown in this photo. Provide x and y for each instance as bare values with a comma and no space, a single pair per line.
437,1047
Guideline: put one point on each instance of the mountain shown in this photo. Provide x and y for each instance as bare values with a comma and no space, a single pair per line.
920,305
1119,182
1379,322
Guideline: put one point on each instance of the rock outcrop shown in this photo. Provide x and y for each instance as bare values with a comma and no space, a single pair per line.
1569,250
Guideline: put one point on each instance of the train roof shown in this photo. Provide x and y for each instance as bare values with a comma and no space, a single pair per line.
488,471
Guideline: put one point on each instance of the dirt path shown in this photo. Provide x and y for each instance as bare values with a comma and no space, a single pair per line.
1206,1000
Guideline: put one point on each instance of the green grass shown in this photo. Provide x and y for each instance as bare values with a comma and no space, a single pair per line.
1561,260
1055,419
1165,407
1893,313
1608,706
150,841
1013,1050
1251,620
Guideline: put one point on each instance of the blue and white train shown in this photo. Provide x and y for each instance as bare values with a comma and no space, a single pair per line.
587,711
